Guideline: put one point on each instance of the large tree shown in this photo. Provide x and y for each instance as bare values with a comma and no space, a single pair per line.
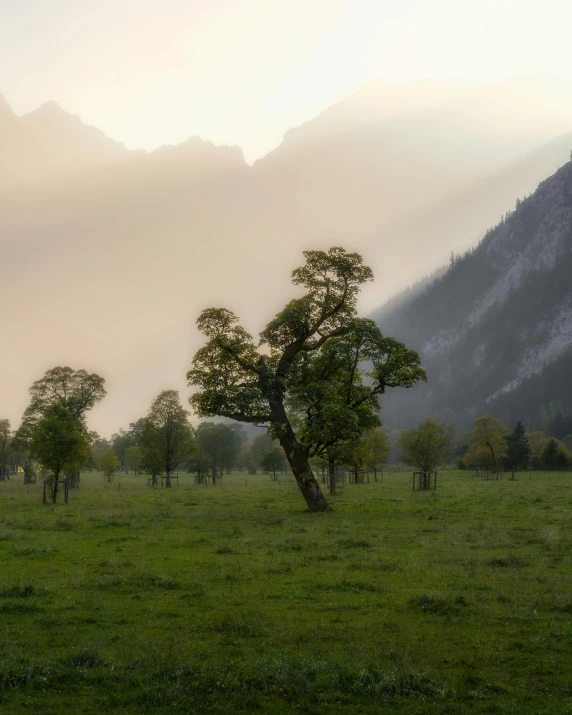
58,444
167,438
309,365
426,446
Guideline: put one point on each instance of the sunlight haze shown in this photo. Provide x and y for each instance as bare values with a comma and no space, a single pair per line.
150,73
402,131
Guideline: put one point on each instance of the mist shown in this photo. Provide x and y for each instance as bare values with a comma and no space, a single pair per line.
110,254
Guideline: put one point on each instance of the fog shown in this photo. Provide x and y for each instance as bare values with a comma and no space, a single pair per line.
109,254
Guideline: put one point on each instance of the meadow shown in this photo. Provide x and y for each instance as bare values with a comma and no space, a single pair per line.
233,599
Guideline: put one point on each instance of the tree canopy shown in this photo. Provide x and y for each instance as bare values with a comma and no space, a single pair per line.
58,443
426,446
273,461
108,462
76,390
6,446
219,445
306,378
133,458
377,448
167,438
488,436
518,452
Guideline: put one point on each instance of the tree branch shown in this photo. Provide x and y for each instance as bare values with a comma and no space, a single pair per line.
243,364
241,417
324,339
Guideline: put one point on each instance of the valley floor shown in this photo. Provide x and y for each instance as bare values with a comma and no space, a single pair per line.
233,599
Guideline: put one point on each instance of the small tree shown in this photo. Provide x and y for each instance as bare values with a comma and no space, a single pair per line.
478,456
167,438
121,442
536,442
108,463
6,448
97,445
489,433
518,453
357,455
255,450
334,456
549,454
58,444
219,444
76,390
377,449
424,447
563,457
272,461
133,458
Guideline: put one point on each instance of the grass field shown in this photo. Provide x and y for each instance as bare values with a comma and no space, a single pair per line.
232,599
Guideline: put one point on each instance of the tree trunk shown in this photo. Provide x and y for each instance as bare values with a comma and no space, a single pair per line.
375,474
297,457
167,478
332,474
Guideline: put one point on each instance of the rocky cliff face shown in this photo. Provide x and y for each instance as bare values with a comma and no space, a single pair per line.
495,331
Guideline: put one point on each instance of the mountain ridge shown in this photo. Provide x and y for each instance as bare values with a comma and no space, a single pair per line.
500,316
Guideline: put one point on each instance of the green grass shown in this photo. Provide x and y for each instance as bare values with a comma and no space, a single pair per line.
233,599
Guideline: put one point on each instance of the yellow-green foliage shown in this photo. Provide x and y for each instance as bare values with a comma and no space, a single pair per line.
487,443
108,462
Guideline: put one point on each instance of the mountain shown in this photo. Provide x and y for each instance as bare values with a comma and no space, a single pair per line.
110,254
49,143
426,164
480,124
495,330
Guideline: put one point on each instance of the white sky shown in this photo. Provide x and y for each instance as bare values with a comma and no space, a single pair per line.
150,72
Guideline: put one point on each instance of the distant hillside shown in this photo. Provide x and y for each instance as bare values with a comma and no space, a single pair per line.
49,143
110,254
495,331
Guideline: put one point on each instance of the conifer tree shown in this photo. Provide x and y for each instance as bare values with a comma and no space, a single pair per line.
518,453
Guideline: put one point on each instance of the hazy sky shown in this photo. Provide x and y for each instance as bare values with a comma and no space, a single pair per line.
150,72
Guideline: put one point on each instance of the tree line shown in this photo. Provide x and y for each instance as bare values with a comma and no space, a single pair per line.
313,380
